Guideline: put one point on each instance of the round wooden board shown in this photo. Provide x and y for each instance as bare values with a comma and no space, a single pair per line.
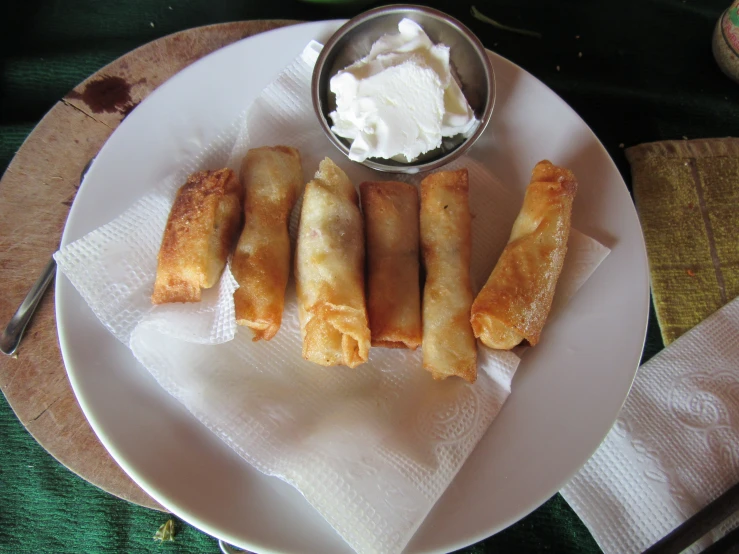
36,192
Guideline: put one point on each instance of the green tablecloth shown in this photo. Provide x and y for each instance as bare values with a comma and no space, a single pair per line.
636,71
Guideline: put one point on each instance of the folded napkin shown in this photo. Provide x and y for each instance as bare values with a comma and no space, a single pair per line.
674,447
371,448
687,194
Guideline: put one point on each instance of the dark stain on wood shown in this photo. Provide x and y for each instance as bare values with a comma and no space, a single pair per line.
106,94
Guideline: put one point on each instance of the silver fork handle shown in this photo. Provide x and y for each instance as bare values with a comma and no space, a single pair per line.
12,334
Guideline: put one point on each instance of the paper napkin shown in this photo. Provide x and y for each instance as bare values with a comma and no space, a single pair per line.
674,447
371,448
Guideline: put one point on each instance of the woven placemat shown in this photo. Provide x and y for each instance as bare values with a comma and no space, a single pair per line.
687,196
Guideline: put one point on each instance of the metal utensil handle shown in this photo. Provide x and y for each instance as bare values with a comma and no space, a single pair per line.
11,337
699,524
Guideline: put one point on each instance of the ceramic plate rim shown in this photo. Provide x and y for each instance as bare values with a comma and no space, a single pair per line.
65,303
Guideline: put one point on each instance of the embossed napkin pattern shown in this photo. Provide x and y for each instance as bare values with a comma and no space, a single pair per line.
674,447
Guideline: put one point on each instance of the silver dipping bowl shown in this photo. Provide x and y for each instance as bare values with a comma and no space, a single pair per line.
468,58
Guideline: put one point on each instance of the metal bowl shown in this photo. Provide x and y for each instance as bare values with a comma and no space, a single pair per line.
468,58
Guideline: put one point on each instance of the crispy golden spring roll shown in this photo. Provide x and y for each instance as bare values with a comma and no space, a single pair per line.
329,271
449,347
272,178
515,302
394,296
201,230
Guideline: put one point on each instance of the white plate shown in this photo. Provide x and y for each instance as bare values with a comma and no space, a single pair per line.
566,393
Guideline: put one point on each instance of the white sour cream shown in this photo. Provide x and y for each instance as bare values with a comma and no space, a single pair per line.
400,100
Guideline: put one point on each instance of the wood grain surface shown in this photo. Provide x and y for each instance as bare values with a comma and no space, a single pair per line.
36,193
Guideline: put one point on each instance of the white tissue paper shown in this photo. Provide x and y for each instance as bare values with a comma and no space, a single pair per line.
674,447
372,448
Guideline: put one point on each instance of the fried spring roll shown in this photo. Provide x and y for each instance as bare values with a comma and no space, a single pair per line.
329,271
272,178
515,302
201,230
394,298
449,347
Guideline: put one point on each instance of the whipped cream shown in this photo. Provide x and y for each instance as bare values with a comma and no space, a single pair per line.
400,100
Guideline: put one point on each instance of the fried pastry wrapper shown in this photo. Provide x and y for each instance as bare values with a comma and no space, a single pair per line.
272,178
201,229
393,291
449,346
329,271
514,303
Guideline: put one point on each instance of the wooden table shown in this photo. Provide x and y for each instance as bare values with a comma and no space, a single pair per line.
36,193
